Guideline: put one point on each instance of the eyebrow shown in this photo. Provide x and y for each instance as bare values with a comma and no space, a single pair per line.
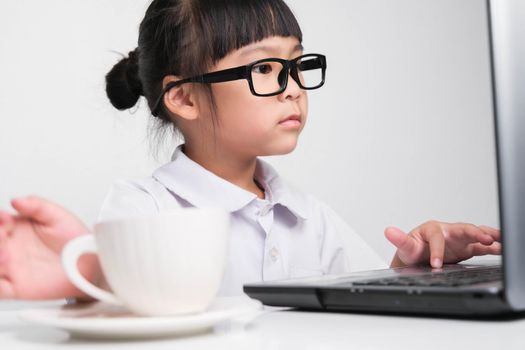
268,49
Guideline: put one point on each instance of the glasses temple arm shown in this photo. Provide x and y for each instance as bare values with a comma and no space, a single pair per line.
209,78
222,76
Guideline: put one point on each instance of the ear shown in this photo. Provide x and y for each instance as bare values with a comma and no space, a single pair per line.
180,100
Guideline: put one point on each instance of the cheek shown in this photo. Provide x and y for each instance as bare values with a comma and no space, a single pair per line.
229,97
236,107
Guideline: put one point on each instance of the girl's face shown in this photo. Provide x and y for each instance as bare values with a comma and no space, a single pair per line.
249,125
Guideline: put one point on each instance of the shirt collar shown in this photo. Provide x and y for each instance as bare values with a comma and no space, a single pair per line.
202,188
278,192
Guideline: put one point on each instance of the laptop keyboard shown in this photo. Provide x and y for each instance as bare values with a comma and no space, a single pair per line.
439,279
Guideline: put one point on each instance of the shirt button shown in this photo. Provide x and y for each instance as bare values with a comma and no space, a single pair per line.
274,254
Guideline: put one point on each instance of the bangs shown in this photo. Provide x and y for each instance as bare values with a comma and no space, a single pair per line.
228,25
186,37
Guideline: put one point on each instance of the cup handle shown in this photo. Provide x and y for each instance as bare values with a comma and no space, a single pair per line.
70,255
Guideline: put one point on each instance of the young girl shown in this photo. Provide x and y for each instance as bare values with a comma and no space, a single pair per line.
231,76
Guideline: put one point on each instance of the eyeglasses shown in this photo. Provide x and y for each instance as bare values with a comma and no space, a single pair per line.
266,77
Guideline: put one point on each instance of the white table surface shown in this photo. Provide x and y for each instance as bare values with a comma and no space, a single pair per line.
282,329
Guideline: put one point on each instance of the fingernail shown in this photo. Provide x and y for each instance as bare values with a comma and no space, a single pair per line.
436,263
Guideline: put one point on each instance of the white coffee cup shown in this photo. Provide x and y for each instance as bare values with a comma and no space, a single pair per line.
169,264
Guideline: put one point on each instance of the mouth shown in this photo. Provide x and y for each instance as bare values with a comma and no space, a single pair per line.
293,121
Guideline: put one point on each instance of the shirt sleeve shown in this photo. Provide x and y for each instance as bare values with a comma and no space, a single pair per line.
127,199
343,250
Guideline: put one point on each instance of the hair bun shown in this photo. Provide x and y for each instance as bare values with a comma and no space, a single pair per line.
123,85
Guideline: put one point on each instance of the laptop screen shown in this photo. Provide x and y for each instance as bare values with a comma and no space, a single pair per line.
508,71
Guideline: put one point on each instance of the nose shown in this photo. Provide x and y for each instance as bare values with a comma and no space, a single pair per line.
292,91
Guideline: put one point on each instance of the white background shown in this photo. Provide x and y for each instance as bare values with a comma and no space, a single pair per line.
401,133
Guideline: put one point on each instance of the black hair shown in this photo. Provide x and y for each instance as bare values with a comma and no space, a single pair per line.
187,37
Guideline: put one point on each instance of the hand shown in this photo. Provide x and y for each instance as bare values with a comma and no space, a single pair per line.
30,245
438,242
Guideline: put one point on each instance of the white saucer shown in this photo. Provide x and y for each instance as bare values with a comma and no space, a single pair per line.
100,320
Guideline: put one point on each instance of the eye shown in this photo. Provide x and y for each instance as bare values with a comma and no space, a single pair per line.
263,68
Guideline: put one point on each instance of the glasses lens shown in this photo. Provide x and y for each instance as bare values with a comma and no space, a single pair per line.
267,77
310,71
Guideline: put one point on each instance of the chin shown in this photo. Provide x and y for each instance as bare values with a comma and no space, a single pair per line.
280,148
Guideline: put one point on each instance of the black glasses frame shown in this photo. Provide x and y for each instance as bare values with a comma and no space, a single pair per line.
245,72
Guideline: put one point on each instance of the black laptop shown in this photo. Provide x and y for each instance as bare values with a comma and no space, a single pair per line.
462,289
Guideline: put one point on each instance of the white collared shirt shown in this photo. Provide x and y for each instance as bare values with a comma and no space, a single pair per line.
286,235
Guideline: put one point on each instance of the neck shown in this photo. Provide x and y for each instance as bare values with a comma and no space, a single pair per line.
226,165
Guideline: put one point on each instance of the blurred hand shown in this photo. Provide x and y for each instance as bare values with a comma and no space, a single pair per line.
30,245
437,242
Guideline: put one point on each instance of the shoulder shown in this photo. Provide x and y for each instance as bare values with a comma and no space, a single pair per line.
319,212
127,198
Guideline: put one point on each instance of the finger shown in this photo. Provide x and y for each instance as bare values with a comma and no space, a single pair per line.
480,249
468,233
6,289
399,239
6,224
37,209
493,232
408,248
435,237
